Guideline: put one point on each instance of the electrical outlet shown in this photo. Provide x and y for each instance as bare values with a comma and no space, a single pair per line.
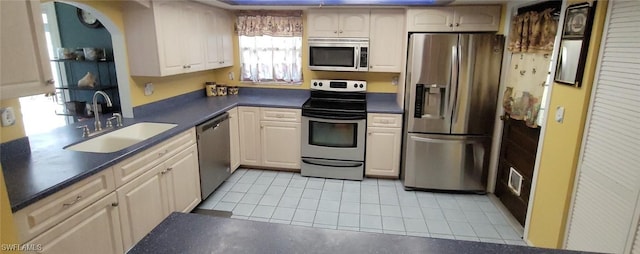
559,114
231,75
394,81
148,89
8,116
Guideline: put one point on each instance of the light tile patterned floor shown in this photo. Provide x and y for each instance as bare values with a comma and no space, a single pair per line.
371,205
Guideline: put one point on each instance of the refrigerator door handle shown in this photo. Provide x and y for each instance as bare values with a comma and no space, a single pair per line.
466,140
454,81
458,60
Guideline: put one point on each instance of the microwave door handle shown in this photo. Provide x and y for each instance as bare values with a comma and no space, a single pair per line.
356,57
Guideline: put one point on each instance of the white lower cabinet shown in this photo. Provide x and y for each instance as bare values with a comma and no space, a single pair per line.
234,139
95,229
384,136
280,144
172,185
270,137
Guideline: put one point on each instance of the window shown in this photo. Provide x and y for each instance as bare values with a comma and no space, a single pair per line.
270,46
271,59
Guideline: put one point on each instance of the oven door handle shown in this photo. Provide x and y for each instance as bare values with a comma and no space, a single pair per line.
338,165
335,116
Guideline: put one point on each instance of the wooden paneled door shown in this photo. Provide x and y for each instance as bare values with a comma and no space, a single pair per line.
518,151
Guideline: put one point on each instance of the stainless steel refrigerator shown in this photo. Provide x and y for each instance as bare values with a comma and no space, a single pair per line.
450,104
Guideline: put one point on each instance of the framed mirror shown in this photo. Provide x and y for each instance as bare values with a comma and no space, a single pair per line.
574,44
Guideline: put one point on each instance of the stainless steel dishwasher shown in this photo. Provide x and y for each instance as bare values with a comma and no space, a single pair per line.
213,153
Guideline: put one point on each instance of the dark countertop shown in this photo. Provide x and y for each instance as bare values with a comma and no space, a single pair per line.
195,233
49,168
383,103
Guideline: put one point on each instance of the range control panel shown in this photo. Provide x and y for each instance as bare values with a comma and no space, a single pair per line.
339,85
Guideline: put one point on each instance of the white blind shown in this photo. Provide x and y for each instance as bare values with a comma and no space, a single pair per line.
608,182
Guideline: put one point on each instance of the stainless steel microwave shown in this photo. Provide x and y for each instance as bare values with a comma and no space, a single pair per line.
338,54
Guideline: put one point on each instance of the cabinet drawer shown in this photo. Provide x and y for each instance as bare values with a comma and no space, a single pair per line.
138,164
46,213
280,115
384,120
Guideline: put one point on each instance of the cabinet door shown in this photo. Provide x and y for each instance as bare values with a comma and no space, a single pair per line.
249,122
386,40
234,139
322,23
430,20
192,37
354,23
383,151
226,38
24,65
142,206
280,144
182,179
476,18
171,41
95,229
212,35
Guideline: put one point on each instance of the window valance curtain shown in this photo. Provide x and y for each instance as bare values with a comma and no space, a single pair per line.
533,32
271,23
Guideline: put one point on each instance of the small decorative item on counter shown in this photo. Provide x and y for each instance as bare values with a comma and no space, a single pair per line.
66,53
233,90
222,90
87,81
210,89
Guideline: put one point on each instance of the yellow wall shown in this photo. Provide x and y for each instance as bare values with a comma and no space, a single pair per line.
15,131
561,148
376,82
8,233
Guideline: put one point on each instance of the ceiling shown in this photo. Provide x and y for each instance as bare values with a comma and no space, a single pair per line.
304,4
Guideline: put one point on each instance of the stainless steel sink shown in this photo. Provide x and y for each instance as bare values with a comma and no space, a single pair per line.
121,138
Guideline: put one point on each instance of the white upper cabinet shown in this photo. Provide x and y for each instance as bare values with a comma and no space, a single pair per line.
174,37
25,68
386,40
217,32
454,19
348,23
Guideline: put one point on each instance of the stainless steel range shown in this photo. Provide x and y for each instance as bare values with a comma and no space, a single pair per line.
333,129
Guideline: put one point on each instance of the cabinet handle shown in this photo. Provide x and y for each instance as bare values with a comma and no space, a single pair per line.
72,202
114,204
160,154
457,24
169,168
371,67
340,31
163,172
335,32
50,81
450,25
369,133
184,67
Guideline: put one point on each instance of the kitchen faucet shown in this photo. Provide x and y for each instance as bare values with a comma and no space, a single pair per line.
97,123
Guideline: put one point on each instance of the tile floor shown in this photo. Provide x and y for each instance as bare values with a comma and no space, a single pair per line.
372,205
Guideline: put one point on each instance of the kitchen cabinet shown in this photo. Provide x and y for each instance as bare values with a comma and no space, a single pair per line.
347,23
53,210
218,39
384,137
270,137
170,185
24,65
174,37
234,139
95,229
386,40
249,123
454,19
280,144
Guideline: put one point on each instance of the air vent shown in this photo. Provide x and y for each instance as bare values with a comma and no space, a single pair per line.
515,181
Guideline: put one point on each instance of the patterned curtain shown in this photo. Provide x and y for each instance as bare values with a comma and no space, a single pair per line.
531,42
271,23
533,32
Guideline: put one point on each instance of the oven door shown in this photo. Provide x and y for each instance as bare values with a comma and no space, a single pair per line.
333,139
